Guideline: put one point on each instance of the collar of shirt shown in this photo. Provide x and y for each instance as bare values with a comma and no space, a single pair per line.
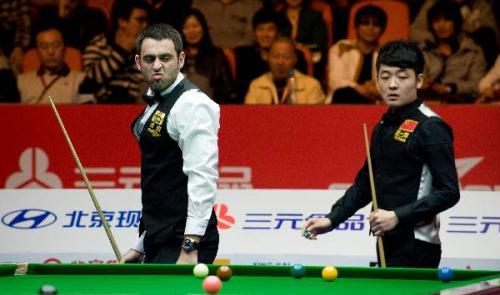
150,92
178,80
63,71
402,112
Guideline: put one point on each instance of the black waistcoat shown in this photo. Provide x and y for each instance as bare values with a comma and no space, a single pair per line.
163,183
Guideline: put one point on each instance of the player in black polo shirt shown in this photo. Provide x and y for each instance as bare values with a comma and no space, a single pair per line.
413,166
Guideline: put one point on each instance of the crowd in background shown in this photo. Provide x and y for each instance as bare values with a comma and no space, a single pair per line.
247,51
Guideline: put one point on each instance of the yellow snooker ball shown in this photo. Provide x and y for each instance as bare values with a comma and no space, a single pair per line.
329,273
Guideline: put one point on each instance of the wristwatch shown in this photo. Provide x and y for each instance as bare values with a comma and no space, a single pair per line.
190,245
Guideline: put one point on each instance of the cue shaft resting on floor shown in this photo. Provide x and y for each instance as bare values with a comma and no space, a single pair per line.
380,243
87,183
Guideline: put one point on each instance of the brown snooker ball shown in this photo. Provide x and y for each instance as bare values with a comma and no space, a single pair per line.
224,272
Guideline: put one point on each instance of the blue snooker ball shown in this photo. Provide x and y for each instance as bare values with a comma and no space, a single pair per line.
298,271
445,274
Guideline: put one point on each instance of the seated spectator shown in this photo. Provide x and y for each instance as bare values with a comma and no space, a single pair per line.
80,22
478,23
283,84
352,72
454,63
308,29
489,86
8,91
205,65
15,30
229,21
54,78
252,61
109,59
171,12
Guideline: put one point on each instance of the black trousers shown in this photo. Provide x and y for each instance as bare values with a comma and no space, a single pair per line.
168,250
409,252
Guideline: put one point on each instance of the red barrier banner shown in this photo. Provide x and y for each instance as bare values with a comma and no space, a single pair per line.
296,147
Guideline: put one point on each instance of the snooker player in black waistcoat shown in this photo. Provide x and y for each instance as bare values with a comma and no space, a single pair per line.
177,134
413,167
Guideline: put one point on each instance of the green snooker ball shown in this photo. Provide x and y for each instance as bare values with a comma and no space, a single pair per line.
298,271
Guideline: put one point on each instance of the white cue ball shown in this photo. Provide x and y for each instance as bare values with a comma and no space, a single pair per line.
200,270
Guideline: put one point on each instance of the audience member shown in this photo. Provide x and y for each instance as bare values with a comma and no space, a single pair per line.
340,9
478,23
283,84
15,30
229,21
80,23
109,59
205,65
54,78
252,60
489,86
352,72
171,12
454,63
308,29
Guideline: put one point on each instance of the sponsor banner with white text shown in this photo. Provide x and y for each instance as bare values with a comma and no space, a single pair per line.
260,227
261,147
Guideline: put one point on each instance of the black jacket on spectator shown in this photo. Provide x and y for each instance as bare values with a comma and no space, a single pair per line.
209,70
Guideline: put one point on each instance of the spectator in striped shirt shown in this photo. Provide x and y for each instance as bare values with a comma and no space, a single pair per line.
109,59
15,30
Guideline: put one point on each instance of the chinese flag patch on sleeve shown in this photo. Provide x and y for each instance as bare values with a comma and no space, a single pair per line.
408,125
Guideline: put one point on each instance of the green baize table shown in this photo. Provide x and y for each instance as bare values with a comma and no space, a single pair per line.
247,279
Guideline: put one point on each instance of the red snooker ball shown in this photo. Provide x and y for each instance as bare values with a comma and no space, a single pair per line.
212,284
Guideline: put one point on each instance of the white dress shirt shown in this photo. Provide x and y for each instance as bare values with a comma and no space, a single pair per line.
193,122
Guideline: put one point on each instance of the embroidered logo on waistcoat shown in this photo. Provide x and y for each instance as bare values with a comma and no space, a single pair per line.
405,129
156,123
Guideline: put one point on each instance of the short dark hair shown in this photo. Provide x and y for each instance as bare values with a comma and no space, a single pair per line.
160,31
449,10
266,16
48,20
402,54
123,9
48,24
371,11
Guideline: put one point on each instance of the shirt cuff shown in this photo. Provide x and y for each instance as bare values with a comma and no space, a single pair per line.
139,244
195,226
403,214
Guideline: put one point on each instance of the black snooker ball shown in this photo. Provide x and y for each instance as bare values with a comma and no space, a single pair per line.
48,290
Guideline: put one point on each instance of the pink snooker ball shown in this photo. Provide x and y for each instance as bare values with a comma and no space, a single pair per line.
212,284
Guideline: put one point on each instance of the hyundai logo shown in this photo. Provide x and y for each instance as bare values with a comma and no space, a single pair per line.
29,218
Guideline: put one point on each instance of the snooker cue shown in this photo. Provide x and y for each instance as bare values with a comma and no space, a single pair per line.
380,243
87,183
